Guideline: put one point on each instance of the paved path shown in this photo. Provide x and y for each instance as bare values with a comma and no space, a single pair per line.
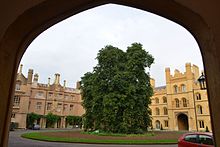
16,141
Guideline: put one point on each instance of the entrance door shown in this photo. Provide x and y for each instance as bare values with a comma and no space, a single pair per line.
158,124
183,122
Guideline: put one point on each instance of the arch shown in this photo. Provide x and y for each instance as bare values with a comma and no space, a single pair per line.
175,89
199,109
157,100
184,102
165,111
157,110
157,124
177,103
13,43
183,88
182,121
164,99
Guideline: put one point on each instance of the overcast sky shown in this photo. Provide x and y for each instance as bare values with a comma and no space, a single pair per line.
71,46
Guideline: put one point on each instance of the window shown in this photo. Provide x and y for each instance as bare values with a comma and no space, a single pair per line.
17,86
199,109
205,139
164,99
39,105
183,88
177,103
71,107
39,94
157,123
201,124
191,138
49,106
175,88
184,102
65,107
50,94
166,123
198,96
157,111
156,100
16,100
165,111
13,115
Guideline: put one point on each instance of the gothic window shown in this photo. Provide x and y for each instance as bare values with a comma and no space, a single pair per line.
177,103
65,107
165,111
198,96
184,102
157,111
16,100
175,88
157,124
156,100
199,109
183,88
164,99
201,124
166,123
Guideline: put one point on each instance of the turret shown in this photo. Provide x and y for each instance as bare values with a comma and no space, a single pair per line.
167,70
188,71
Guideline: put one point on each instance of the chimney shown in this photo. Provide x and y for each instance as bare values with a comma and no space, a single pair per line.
64,84
48,84
57,79
167,71
152,82
77,85
30,76
20,70
36,78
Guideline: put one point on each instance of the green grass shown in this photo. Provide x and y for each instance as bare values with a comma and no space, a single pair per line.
40,136
118,134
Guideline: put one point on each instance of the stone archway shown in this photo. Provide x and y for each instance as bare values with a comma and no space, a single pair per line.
182,121
25,20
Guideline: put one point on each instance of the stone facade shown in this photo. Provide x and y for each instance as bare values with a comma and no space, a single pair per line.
32,96
180,104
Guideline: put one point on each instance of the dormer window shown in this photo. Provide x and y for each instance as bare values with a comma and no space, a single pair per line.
18,86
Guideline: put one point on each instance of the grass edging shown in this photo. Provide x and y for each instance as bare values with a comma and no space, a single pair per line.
39,136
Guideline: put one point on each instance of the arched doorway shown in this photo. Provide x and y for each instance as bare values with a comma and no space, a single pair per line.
157,124
182,121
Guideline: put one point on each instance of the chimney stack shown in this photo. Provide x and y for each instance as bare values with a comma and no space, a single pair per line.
36,76
48,84
30,76
20,70
57,79
64,84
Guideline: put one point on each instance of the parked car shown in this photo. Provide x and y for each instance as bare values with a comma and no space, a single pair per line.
198,139
36,127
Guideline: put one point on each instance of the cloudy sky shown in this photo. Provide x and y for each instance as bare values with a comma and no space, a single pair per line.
70,47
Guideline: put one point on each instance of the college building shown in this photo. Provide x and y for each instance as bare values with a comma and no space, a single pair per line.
34,97
179,105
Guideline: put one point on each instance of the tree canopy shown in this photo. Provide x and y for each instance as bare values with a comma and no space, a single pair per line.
116,94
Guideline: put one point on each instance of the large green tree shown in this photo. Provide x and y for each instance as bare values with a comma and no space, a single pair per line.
117,93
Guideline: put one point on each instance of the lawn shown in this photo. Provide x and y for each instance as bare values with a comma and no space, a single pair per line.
105,138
